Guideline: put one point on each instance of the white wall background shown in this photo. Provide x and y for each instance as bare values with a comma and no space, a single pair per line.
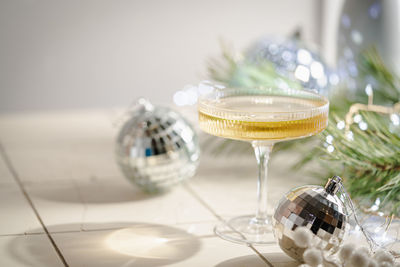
58,54
330,11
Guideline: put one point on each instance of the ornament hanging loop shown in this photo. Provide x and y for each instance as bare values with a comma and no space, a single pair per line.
334,184
139,105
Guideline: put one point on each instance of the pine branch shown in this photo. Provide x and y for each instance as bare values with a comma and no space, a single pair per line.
372,65
370,163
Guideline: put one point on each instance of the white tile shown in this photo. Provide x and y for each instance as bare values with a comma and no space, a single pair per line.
140,245
59,145
218,252
48,129
27,250
17,216
226,186
58,203
66,161
59,163
229,186
201,229
276,256
5,174
71,205
174,207
148,246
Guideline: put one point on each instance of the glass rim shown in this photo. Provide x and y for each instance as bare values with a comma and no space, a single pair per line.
262,91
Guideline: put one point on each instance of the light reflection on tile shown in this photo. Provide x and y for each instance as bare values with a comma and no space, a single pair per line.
77,204
160,246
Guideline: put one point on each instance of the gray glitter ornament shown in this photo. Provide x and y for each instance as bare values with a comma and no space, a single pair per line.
293,60
156,147
315,207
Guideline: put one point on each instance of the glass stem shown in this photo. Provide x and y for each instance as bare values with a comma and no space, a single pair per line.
262,149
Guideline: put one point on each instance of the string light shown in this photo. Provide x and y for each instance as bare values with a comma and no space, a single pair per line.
395,119
350,136
317,70
302,73
353,115
340,125
304,57
357,118
189,95
334,79
363,125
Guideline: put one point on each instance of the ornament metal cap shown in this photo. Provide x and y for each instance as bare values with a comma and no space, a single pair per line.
144,104
332,186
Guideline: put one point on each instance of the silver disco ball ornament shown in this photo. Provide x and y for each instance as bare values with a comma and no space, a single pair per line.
156,147
293,60
315,207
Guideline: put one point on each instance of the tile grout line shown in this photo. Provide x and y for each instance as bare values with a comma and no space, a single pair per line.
202,202
82,230
205,204
25,193
24,234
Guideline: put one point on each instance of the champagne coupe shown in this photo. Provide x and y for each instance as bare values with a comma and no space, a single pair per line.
261,116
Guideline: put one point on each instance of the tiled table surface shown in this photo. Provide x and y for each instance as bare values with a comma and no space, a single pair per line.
63,201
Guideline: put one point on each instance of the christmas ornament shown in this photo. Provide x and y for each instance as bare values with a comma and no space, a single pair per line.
293,60
362,24
349,255
315,207
156,147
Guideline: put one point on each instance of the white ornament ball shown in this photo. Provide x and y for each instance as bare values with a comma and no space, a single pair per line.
345,251
358,259
312,256
316,208
293,60
372,263
364,250
157,147
383,256
302,237
331,261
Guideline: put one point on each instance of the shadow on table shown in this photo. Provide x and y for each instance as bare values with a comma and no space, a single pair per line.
94,191
244,261
135,244
255,261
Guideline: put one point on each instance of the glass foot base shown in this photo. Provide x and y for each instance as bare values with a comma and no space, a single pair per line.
246,230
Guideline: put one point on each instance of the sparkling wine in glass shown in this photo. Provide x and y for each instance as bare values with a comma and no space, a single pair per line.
261,116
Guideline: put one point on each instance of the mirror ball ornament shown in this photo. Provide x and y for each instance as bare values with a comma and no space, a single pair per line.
315,207
156,147
293,60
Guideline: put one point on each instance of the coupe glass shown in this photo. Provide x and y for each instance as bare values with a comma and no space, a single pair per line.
261,116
